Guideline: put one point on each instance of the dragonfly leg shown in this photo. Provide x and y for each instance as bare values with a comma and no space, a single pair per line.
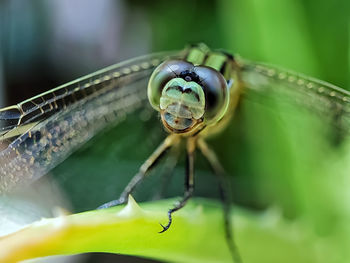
168,171
224,194
189,183
145,167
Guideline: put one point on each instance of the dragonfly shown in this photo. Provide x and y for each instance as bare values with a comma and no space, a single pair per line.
195,91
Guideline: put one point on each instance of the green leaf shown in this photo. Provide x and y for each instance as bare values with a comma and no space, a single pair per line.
196,235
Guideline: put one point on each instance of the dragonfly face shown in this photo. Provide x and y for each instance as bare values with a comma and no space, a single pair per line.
187,96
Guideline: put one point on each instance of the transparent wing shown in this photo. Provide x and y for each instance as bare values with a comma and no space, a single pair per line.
39,133
325,99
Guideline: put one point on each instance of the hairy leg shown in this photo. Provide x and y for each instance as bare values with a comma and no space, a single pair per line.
189,182
168,171
145,167
225,195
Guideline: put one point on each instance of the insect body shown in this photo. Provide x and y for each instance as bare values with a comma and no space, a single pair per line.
196,97
193,95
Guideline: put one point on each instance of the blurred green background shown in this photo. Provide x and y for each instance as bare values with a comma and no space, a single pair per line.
281,159
45,43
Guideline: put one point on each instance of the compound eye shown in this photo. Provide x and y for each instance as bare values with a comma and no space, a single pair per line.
162,75
215,90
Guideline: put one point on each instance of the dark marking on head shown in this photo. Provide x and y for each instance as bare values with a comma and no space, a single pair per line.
189,76
191,91
178,88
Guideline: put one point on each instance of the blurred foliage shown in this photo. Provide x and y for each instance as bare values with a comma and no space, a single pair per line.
304,35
